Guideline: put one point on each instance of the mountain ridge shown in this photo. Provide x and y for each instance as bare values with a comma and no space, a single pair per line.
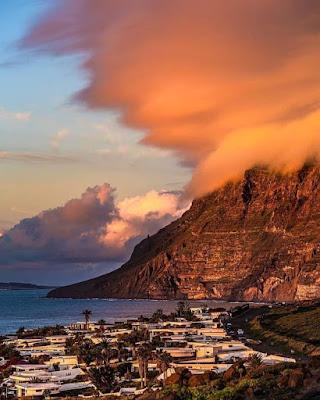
257,239
22,286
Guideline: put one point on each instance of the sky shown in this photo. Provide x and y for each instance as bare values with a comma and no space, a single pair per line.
52,150
115,114
95,147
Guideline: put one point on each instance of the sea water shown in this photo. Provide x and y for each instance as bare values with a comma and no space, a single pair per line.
31,308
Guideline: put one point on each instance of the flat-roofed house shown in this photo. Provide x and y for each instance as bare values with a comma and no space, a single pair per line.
63,361
36,389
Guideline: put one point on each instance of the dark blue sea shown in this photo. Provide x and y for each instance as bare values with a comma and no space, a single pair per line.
31,308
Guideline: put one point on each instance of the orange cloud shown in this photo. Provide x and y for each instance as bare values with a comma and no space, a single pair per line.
226,85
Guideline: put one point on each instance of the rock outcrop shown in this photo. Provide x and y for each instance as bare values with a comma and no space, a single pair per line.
255,240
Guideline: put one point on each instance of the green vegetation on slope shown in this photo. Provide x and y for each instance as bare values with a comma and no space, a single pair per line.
296,328
302,324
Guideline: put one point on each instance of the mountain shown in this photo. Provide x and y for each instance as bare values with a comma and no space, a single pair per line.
21,286
257,239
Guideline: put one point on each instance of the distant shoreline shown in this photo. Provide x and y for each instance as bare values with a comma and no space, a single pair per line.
22,286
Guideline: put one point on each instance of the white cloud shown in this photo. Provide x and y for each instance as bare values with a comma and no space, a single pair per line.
18,116
133,151
58,138
142,215
33,157
104,152
22,116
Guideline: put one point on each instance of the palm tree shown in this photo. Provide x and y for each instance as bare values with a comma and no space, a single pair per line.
102,322
86,351
144,355
103,378
122,352
163,361
184,311
136,336
255,360
87,315
158,315
21,331
106,352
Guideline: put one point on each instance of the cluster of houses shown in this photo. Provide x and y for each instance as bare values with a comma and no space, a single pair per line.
200,345
204,345
60,374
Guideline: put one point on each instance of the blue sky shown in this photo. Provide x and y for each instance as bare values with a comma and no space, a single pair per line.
93,148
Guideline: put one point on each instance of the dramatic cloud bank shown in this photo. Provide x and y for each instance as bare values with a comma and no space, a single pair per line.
223,84
91,229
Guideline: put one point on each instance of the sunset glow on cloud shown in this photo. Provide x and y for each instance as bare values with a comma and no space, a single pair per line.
225,85
141,215
91,229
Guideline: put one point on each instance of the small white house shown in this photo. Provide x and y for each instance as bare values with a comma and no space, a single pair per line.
63,360
129,391
3,362
36,389
204,364
273,359
30,367
206,350
57,339
180,352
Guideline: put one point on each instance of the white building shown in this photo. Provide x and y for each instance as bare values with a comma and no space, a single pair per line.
3,362
203,365
41,389
70,361
36,389
273,359
38,380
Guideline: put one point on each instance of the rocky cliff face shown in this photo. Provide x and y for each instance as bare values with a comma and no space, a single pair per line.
257,239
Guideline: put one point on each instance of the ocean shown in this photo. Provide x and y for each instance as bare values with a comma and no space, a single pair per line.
31,308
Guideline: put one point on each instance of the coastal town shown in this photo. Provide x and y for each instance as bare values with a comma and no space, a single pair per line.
128,359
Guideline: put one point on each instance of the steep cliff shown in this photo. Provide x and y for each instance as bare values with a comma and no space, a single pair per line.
256,239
